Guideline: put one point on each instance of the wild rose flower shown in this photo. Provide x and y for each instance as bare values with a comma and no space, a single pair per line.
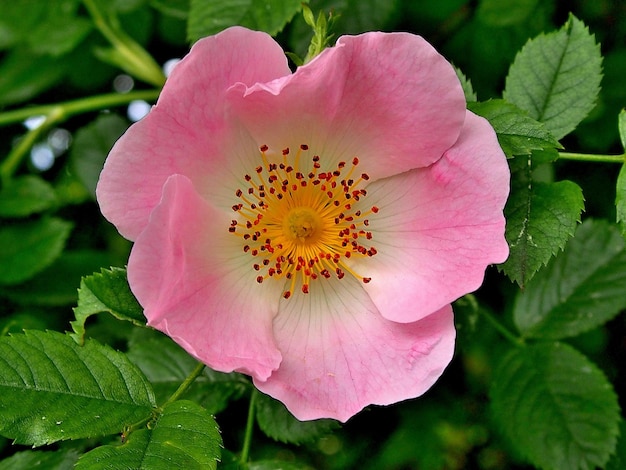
310,229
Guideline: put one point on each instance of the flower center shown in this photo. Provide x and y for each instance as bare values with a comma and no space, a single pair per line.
301,227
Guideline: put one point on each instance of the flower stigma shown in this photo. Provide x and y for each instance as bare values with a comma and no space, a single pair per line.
301,226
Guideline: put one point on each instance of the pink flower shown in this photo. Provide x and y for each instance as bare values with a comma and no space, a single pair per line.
310,229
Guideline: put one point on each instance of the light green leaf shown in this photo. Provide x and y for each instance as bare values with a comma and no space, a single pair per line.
208,18
26,195
106,291
52,389
26,248
541,217
168,368
39,459
278,423
556,77
184,436
91,146
555,407
580,289
518,133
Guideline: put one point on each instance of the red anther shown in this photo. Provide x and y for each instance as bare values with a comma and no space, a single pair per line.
367,279
256,267
232,229
355,161
239,193
304,147
375,209
365,176
287,294
286,151
305,288
247,177
259,279
264,148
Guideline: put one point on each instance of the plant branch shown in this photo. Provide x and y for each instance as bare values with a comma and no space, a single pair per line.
247,442
186,384
583,157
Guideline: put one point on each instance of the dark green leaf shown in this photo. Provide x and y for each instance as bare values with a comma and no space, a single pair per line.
620,188
44,460
26,248
185,436
555,407
271,16
580,289
91,146
58,283
468,90
52,389
518,134
541,217
175,8
107,291
618,461
556,77
168,368
278,423
26,195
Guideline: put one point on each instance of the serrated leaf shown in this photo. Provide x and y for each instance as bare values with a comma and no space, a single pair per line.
106,291
541,218
185,436
580,289
618,460
555,407
620,187
271,16
518,133
28,247
52,389
26,195
91,146
168,368
556,77
278,423
39,459
466,84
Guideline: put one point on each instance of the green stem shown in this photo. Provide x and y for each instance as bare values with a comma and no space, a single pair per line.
503,330
186,384
247,441
56,113
584,157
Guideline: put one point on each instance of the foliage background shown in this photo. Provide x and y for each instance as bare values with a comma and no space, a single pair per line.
52,234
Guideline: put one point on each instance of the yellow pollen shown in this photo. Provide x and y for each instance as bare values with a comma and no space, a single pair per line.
301,225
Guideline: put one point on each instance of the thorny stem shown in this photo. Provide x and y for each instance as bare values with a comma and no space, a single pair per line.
247,442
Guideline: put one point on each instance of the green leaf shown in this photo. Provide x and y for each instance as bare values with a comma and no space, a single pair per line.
107,291
52,389
172,365
38,459
518,133
541,217
278,423
92,144
618,461
57,284
580,289
184,436
501,14
26,248
26,195
556,407
620,188
556,77
208,18
468,89
24,75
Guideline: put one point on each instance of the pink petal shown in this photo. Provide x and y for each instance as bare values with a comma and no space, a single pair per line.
439,227
340,354
187,132
389,99
197,286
